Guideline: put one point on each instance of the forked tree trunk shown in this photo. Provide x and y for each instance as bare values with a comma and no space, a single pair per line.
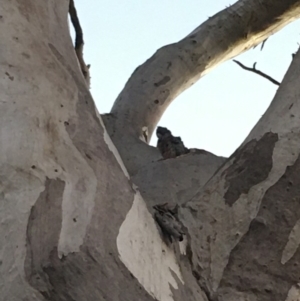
74,226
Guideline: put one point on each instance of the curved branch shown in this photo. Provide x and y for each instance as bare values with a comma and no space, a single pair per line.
174,68
253,69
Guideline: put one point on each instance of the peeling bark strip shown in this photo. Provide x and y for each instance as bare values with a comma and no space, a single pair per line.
251,166
43,231
263,246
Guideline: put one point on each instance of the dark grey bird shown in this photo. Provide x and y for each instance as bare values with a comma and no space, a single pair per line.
168,221
168,145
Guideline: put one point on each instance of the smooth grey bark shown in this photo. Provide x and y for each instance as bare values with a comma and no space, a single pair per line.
74,227
64,192
176,180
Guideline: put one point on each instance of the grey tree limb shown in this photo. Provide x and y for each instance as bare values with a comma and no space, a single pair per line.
175,67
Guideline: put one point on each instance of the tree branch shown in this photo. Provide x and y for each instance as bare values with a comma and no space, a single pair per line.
254,70
79,42
262,44
172,69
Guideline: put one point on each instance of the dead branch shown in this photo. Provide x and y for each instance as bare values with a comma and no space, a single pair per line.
253,69
79,42
263,44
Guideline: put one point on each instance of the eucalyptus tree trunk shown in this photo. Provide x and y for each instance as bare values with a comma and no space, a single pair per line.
75,225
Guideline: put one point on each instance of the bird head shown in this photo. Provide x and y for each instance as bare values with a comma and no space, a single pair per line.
161,131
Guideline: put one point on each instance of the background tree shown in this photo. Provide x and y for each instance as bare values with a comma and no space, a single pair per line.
76,222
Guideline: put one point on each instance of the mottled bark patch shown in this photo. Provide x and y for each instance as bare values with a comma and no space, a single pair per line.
163,81
255,264
43,231
89,275
251,166
96,271
26,9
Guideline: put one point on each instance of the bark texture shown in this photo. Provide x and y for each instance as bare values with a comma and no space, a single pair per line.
176,180
74,227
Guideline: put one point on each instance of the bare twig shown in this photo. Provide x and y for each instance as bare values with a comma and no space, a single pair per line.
262,44
79,42
253,69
